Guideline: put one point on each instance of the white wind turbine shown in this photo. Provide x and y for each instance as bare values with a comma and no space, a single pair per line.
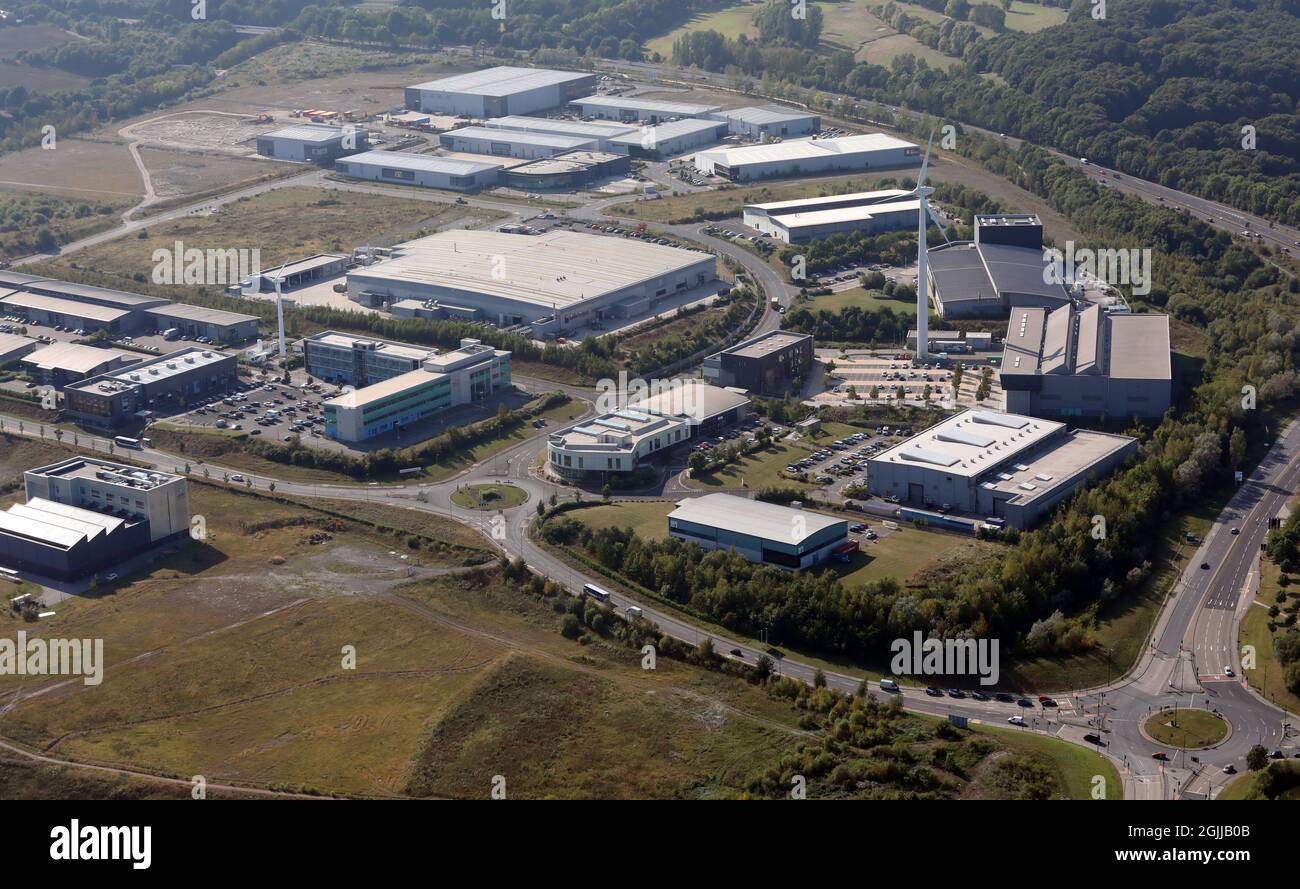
924,216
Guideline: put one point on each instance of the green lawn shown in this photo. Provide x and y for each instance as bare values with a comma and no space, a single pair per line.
730,22
1030,17
648,518
1267,677
489,497
870,300
900,554
758,469
1075,767
1188,729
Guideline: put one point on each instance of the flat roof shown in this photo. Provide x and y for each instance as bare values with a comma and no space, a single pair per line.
761,114
805,149
12,343
106,471
1042,471
72,290
359,398
428,163
766,344
596,129
799,204
697,399
310,132
673,129
386,347
565,163
17,280
514,137
73,358
556,269
202,314
846,214
154,370
631,103
502,80
1008,219
1139,346
69,307
756,518
298,266
970,443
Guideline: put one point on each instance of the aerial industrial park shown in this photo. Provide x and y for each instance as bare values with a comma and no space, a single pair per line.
583,398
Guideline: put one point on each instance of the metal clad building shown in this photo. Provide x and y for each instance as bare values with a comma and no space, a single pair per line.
990,464
312,142
1088,363
636,110
62,363
13,347
599,131
765,363
174,380
196,321
668,139
426,170
799,221
570,170
761,532
769,122
499,91
870,151
1001,269
511,143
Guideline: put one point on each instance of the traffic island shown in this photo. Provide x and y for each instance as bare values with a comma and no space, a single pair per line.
1189,729
487,497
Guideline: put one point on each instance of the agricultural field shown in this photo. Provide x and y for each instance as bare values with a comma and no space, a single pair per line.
33,38
730,22
76,168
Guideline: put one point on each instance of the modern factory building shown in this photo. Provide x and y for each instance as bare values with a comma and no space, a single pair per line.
467,375
598,132
668,139
1003,268
500,91
80,306
768,122
352,360
766,363
1087,363
808,219
175,380
761,532
426,170
620,441
84,515
191,322
511,143
59,364
990,464
14,347
573,169
870,151
555,282
629,109
312,143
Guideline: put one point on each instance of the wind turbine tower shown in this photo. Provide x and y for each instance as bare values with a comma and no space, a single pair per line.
279,315
924,217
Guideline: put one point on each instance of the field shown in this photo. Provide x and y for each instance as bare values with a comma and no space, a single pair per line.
77,168
730,22
1072,766
648,518
1267,678
33,38
869,300
901,554
284,224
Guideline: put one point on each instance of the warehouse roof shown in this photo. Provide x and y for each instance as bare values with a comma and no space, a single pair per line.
71,308
513,137
1090,342
886,195
766,344
1044,469
558,268
654,106
310,132
502,80
959,273
201,314
89,293
596,129
428,163
73,358
673,129
1139,346
971,442
385,347
359,398
805,149
1020,270
13,346
846,214
152,371
697,399
298,266
17,280
755,518
764,114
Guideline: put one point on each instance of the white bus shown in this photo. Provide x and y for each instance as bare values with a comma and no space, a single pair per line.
595,592
123,442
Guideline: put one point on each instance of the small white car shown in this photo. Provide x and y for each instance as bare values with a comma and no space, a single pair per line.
1016,720
1227,671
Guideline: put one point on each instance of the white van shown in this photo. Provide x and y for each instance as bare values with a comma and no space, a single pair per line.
888,685
633,611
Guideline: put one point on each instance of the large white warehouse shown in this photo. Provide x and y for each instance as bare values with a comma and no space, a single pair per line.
496,92
869,151
556,282
769,122
512,143
668,139
427,170
807,219
629,109
600,132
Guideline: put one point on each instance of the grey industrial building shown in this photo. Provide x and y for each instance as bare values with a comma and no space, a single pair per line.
512,143
598,131
808,219
1087,363
766,363
80,306
170,381
500,91
85,515
554,282
794,157
59,364
768,122
632,109
299,273
428,170
355,360
313,142
998,465
191,322
573,169
668,139
766,533
1002,268
14,346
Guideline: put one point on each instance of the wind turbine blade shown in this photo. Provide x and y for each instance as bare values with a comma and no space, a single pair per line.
934,217
925,162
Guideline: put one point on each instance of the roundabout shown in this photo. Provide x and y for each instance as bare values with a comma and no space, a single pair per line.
489,496
1186,729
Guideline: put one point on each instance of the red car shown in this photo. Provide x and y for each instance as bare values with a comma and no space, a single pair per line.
1160,754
